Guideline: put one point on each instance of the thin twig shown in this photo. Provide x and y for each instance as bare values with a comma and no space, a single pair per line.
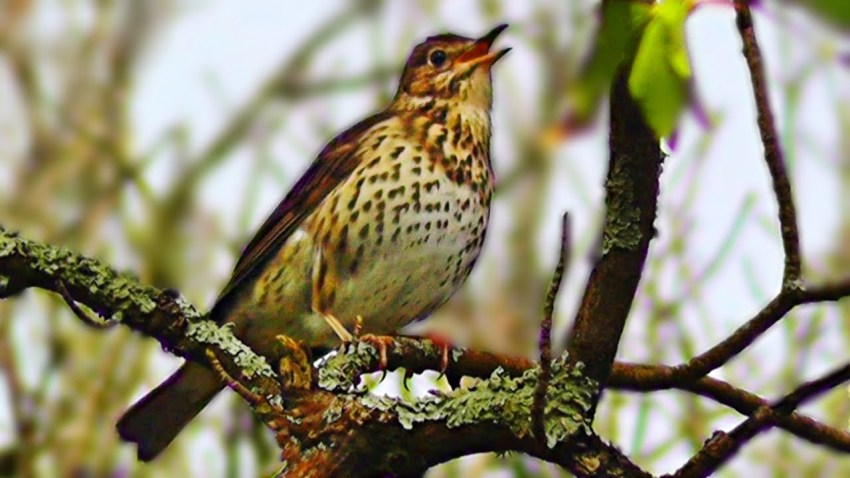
745,335
639,378
94,322
538,408
254,399
773,154
723,446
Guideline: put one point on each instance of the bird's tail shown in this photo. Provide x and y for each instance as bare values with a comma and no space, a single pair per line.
154,421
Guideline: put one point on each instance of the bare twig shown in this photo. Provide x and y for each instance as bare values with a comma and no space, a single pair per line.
254,399
723,446
538,409
641,378
95,322
773,154
746,334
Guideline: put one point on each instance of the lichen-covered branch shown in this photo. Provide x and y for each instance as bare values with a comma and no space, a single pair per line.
404,438
631,201
161,314
493,415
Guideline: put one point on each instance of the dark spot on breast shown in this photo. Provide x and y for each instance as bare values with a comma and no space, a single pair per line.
342,245
397,152
353,203
392,193
435,185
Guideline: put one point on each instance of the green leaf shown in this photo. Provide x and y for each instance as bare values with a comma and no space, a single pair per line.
661,73
622,25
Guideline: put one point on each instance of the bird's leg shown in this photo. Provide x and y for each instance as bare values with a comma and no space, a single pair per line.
339,329
324,281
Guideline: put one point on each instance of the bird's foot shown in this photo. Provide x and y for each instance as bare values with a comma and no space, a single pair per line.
380,342
444,344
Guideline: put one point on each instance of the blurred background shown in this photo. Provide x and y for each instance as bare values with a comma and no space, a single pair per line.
156,135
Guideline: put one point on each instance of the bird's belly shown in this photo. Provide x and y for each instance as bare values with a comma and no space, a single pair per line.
410,276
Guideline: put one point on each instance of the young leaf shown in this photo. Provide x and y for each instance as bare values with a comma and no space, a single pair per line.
660,79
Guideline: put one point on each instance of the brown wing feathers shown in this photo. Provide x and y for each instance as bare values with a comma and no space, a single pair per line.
335,163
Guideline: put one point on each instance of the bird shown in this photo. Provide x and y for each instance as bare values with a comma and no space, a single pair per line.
380,230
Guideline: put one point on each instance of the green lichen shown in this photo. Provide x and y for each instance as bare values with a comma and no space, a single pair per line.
221,336
333,412
622,223
122,292
503,400
128,300
793,284
341,372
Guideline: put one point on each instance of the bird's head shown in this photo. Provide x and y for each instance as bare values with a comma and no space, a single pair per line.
451,68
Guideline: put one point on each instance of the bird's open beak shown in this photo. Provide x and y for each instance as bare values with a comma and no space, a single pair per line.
479,53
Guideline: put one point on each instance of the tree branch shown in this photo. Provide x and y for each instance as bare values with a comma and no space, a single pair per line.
723,446
745,335
160,314
773,154
645,378
631,201
493,415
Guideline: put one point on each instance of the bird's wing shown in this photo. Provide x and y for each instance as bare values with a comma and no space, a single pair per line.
335,163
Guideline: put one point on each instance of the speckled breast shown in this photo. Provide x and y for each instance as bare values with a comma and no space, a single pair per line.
398,237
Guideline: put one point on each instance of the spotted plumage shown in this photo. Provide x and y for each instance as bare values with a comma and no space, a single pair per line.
386,224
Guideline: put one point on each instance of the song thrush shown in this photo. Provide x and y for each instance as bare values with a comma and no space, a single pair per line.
385,224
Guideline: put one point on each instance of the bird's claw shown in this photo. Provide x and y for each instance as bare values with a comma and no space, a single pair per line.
405,380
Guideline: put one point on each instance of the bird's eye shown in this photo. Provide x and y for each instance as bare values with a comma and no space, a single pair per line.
437,58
